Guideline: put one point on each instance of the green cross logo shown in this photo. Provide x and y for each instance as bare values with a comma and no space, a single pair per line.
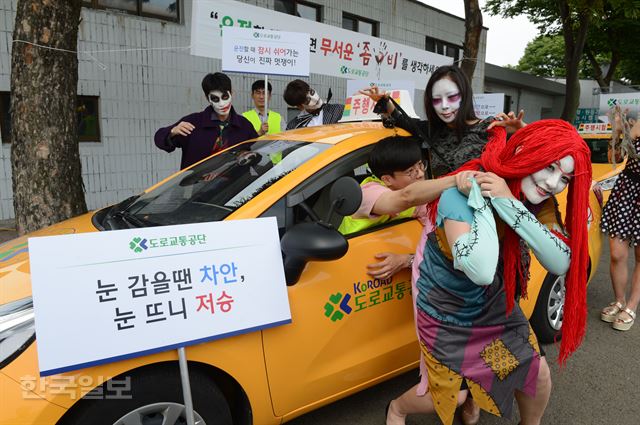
138,245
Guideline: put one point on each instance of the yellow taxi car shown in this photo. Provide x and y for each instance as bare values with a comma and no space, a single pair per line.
348,331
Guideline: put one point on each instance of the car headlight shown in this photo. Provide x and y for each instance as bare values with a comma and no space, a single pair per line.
17,329
607,184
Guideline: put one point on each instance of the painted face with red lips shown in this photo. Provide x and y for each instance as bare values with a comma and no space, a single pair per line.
549,181
446,99
221,102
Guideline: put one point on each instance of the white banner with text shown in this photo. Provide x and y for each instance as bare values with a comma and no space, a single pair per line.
265,52
333,51
107,296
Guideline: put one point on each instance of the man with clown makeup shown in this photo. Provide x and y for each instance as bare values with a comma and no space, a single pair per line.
313,110
204,133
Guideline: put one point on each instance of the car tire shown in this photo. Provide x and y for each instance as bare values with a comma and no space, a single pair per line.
153,396
547,316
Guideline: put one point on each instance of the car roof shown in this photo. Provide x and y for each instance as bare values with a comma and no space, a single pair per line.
328,134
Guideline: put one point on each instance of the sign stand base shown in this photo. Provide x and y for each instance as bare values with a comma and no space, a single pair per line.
186,385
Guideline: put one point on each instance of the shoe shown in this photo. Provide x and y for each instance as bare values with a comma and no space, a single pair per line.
624,324
610,312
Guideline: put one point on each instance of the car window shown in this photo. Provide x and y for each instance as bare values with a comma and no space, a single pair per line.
213,189
598,149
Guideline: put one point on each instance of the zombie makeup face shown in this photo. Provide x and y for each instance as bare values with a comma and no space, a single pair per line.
446,98
313,101
551,180
221,102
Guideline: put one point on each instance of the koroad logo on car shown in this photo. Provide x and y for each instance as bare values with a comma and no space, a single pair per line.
365,294
138,244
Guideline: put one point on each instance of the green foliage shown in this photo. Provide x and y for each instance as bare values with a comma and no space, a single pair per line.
613,36
544,57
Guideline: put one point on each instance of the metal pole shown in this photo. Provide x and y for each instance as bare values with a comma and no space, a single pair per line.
266,98
186,386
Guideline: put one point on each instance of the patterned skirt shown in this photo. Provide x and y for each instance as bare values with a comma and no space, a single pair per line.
491,361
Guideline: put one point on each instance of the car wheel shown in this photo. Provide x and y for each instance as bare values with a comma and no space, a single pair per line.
151,395
547,316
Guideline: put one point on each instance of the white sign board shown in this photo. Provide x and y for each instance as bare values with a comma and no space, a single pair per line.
107,296
333,51
626,101
488,104
265,52
354,86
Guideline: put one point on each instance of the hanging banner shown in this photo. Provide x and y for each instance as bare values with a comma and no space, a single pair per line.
333,51
265,52
129,293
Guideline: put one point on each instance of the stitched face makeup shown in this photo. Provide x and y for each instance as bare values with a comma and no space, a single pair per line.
549,181
221,102
446,99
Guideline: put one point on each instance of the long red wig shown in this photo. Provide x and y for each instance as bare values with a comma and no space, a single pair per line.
529,150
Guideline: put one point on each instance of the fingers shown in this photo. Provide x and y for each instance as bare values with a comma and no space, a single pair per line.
183,129
521,114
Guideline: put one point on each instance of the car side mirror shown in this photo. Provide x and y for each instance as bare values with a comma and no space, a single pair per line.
310,242
320,241
346,197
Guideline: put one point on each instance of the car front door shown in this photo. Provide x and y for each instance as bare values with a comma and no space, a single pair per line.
348,330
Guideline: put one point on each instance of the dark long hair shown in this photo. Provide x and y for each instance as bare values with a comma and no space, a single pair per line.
465,113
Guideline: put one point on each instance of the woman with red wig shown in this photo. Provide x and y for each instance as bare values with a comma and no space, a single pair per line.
473,335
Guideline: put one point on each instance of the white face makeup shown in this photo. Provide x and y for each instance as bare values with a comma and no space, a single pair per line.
221,102
446,99
551,180
313,101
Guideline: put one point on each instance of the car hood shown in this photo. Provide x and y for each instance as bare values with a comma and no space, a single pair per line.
15,275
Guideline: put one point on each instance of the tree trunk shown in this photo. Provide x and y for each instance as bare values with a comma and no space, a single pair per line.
603,80
472,33
575,36
45,158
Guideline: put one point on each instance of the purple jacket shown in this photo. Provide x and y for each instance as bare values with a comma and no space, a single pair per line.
200,143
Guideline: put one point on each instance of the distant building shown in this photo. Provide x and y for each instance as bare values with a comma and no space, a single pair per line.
539,97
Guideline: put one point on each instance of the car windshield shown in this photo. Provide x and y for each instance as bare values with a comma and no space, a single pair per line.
213,189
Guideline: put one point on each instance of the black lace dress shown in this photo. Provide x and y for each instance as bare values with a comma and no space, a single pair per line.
449,153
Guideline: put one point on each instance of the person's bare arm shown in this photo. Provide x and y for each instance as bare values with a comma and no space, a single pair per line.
417,193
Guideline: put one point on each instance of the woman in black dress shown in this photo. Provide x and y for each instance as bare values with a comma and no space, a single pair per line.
621,220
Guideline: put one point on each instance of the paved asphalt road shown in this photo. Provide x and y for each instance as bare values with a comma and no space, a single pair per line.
598,386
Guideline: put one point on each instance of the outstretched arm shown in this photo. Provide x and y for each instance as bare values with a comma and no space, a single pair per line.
418,193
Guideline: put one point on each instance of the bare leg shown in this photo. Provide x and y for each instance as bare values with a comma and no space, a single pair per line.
409,403
532,408
618,268
634,296
470,412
